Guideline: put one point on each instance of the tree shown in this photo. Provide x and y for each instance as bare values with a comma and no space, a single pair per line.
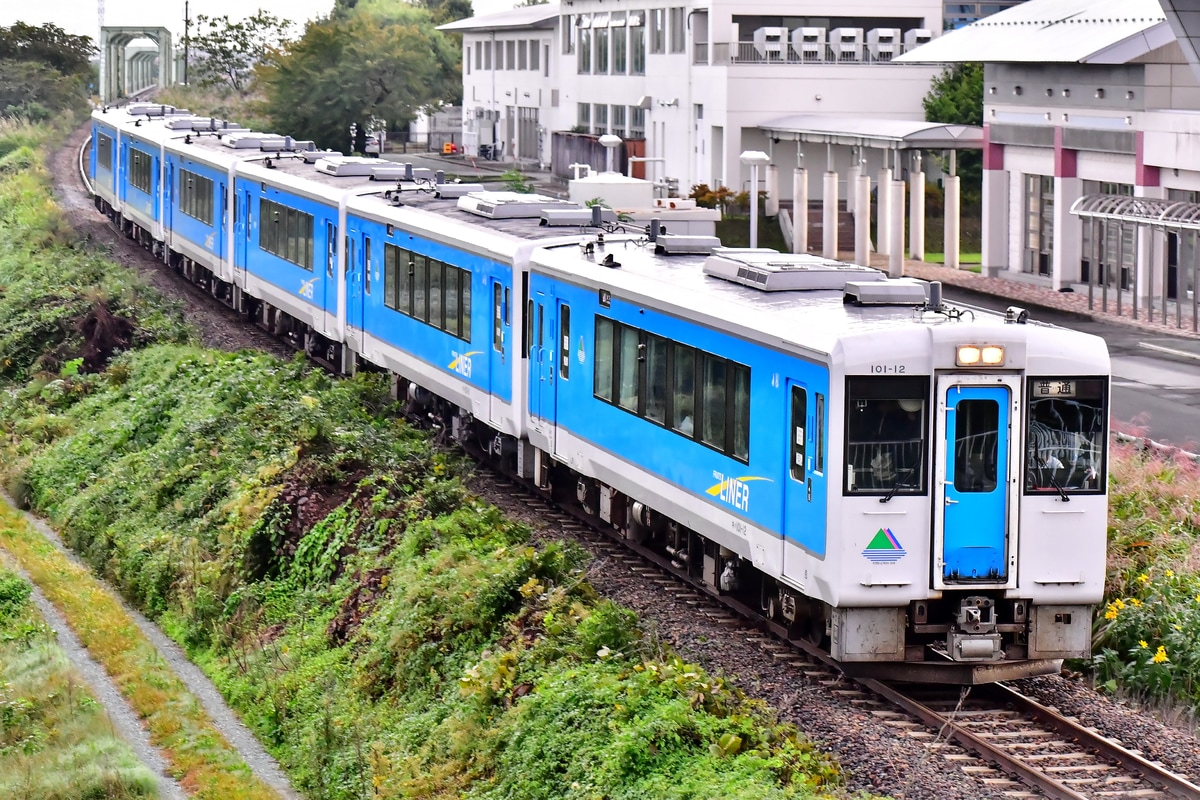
355,67
48,45
956,97
226,52
444,11
43,70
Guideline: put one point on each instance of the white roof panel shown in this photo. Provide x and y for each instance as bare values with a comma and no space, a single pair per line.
524,17
1062,31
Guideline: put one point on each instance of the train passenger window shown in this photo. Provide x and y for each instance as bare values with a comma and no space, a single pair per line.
713,411
976,434
799,423
683,389
603,387
140,169
628,366
564,336
741,412
887,425
389,275
104,151
367,264
656,379
452,291
420,282
405,263
497,318
1064,445
464,304
820,470
330,248
196,196
436,306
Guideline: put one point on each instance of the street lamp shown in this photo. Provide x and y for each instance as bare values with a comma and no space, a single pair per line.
755,158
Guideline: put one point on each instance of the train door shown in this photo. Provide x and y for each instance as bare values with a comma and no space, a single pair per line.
974,494
329,279
502,344
243,228
541,360
168,202
804,480
354,286
366,279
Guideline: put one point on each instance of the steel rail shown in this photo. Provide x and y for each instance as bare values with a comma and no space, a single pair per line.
83,173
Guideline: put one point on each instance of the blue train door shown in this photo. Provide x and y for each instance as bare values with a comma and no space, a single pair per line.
542,358
241,233
804,482
974,479
502,347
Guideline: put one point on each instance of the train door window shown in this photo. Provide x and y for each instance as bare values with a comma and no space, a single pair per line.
330,247
464,304
603,387
436,301
389,275
712,410
528,328
507,306
628,366
497,318
976,431
886,429
452,292
367,264
683,390
656,379
740,448
820,470
420,282
541,326
799,421
1067,419
407,269
564,338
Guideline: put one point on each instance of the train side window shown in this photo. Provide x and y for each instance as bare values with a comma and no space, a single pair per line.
452,292
683,390
497,318
464,304
820,470
435,293
799,421
603,387
330,247
367,264
406,263
564,336
627,365
420,284
713,412
389,275
655,380
887,426
1067,429
741,412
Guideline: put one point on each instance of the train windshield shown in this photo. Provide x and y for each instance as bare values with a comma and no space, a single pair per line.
1064,451
887,425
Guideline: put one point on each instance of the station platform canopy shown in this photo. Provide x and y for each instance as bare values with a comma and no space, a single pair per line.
1175,215
883,134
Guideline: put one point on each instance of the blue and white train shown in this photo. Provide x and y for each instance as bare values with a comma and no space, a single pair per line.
870,467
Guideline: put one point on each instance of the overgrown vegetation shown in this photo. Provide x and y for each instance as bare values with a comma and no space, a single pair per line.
386,633
56,742
43,71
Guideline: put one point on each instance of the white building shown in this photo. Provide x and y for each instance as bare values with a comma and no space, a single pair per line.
1088,105
693,84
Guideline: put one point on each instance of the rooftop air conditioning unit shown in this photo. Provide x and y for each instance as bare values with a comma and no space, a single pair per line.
883,43
845,44
769,43
917,37
809,43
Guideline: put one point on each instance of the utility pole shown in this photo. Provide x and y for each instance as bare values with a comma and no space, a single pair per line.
187,40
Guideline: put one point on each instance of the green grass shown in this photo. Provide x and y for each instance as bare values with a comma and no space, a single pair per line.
56,742
963,258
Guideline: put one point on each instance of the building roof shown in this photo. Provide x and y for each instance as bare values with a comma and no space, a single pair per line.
542,16
1057,31
888,134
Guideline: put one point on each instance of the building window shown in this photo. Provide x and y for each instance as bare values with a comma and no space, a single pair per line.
104,150
584,122
678,30
658,30
479,55
617,126
620,44
584,48
487,54
196,196
1039,224
535,52
599,119
285,232
601,36
637,122
637,46
568,35
699,395
428,290
140,169
510,55
523,54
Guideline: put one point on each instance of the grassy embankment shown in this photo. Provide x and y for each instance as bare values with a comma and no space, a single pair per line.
55,740
385,633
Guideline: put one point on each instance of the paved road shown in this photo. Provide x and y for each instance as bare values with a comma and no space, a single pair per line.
1156,378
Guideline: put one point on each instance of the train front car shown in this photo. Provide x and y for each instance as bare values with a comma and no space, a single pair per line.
972,506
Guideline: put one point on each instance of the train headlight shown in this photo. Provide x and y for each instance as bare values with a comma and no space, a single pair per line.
974,355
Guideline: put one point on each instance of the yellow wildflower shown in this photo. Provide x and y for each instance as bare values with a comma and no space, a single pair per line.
1111,613
1170,573
1120,604
1161,655
1133,601
1144,578
1142,644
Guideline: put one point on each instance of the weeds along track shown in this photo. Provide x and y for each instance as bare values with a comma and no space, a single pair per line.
930,742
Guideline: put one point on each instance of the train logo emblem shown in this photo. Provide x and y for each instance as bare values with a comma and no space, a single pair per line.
884,548
306,288
462,362
734,492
